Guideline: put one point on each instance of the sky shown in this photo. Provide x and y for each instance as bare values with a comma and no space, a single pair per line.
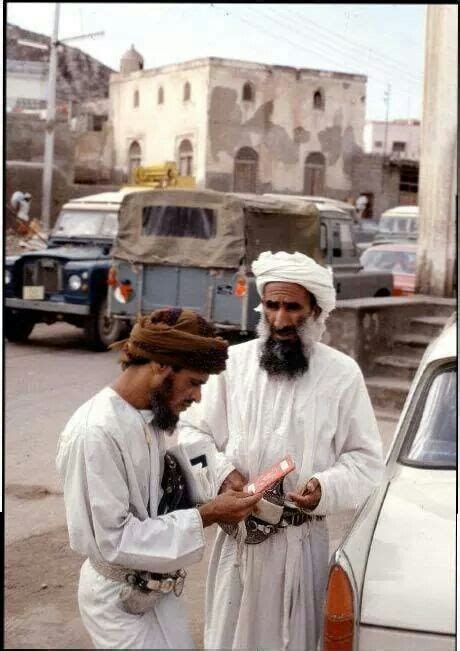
383,41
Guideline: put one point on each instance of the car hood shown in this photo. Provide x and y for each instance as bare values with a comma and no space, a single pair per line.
410,575
68,253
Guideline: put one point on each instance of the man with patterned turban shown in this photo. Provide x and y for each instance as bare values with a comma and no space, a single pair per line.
112,462
284,393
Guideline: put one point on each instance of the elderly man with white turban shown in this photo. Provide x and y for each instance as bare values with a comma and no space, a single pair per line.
284,393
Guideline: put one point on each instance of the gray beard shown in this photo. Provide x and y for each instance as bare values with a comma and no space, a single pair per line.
288,359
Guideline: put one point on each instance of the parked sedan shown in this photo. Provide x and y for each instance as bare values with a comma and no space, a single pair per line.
400,259
392,582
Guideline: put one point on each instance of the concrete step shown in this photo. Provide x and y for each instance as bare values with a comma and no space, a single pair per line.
410,345
397,366
389,415
387,393
430,326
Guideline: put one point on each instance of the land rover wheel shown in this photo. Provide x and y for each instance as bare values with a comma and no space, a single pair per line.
17,327
101,330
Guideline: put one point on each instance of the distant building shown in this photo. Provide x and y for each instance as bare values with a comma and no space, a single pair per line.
238,125
26,86
399,139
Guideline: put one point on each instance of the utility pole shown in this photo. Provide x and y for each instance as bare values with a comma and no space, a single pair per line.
386,100
50,123
47,182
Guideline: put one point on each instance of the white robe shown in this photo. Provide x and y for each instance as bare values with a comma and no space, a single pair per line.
111,463
270,595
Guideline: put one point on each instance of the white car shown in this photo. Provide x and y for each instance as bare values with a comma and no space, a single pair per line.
392,581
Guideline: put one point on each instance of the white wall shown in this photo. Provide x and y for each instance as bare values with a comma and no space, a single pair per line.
159,128
408,133
24,86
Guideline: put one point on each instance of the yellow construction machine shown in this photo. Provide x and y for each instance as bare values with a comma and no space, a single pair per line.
163,175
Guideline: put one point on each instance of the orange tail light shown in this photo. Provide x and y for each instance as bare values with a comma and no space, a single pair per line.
112,277
338,612
397,291
241,287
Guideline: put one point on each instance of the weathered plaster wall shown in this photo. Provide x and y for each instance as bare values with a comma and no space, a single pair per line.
25,141
159,128
370,175
94,156
282,125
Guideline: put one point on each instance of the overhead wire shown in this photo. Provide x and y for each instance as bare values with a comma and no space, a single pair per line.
387,61
327,48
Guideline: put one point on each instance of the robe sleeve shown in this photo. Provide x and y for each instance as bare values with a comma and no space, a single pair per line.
207,421
359,459
162,544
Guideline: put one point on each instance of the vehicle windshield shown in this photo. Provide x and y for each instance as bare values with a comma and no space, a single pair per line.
396,261
435,441
398,225
86,223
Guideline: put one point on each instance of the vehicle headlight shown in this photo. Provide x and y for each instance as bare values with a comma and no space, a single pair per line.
74,282
7,276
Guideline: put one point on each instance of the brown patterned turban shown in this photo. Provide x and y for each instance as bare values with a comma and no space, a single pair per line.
175,337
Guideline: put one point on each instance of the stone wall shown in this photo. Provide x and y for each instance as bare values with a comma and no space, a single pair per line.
27,176
371,175
94,156
360,327
25,141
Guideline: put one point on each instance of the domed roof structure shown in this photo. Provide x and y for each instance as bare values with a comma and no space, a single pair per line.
131,61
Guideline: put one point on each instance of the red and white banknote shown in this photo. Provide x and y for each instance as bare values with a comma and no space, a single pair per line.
269,478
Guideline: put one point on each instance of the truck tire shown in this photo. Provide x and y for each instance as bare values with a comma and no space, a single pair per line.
102,331
17,327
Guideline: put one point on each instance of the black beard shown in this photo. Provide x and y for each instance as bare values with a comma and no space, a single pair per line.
284,358
163,417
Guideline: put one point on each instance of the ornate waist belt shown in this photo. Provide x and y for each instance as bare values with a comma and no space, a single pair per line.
145,581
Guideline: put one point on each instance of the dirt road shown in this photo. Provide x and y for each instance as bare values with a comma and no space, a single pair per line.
46,380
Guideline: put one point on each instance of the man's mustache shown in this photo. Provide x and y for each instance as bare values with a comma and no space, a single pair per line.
288,330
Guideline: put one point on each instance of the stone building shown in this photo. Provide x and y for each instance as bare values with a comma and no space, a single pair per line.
26,86
399,139
237,125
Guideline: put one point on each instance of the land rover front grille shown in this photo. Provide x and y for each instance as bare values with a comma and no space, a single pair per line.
45,272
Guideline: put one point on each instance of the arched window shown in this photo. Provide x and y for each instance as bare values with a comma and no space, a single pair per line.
318,100
248,92
136,99
185,158
161,95
134,159
245,170
314,172
187,91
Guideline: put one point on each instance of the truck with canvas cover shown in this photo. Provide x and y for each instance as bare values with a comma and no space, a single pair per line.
194,249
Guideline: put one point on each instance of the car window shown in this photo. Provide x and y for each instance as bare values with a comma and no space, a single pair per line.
395,225
434,443
179,221
86,223
336,242
347,239
397,261
323,239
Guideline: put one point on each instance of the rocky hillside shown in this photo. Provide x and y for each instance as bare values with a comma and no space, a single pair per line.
80,77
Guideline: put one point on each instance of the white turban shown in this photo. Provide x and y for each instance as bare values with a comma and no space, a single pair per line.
296,268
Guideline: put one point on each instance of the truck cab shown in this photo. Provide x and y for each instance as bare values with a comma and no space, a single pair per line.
67,280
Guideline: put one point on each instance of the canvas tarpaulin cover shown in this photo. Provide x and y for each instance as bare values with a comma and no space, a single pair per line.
207,229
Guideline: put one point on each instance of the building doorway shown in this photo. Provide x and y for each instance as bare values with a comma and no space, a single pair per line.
245,170
134,159
314,174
